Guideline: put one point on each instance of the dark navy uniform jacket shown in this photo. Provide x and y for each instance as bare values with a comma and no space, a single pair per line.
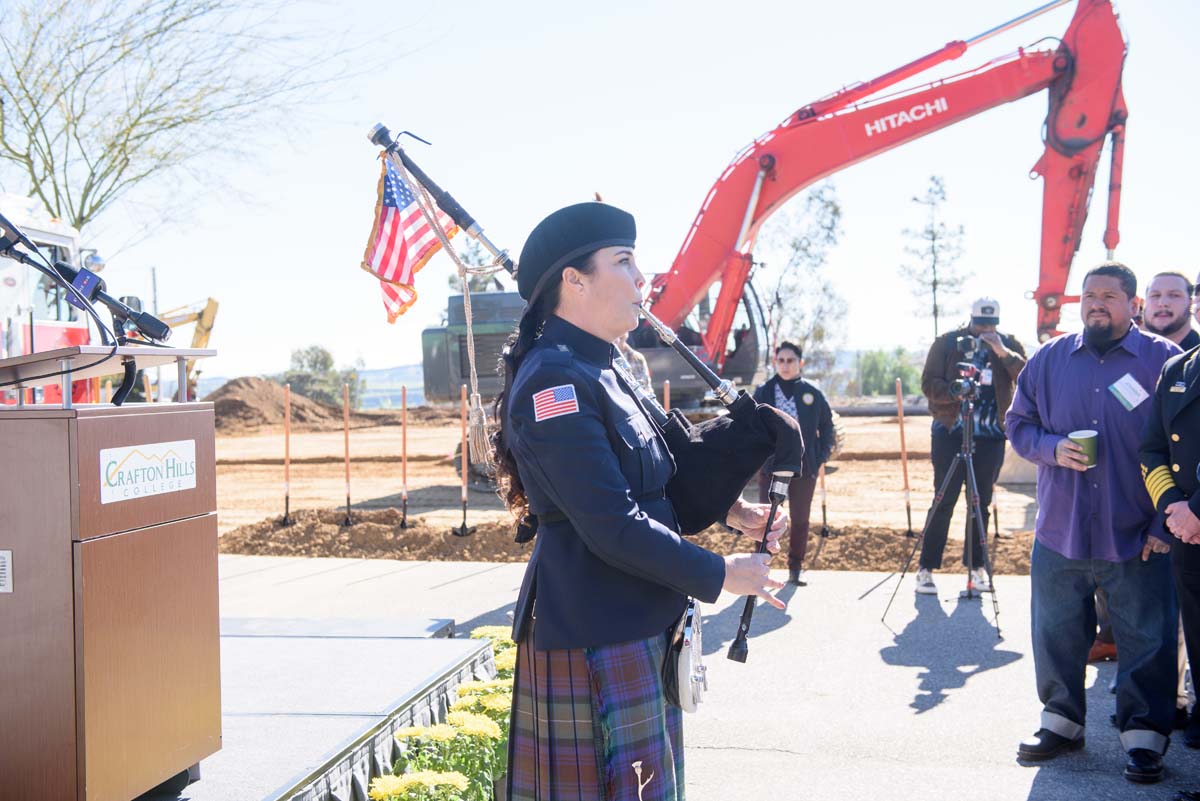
1170,452
608,564
814,417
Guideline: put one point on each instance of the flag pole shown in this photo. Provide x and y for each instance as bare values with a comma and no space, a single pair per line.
381,136
427,195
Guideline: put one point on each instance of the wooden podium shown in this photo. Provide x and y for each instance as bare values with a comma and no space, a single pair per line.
110,675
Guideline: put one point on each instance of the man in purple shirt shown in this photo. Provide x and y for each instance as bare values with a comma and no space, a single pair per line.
1096,526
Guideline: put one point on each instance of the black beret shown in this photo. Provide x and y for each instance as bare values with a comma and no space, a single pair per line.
568,234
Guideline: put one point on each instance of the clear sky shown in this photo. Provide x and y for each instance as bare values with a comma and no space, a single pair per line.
533,105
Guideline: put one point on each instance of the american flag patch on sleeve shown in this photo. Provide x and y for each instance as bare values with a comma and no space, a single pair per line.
554,402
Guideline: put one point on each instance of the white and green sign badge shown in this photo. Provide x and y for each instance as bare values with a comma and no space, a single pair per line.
143,470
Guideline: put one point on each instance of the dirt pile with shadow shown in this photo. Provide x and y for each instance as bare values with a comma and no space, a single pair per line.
376,534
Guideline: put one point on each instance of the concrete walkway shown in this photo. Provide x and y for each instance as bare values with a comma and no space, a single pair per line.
832,704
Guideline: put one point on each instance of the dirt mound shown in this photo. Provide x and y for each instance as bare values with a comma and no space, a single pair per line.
247,403
376,534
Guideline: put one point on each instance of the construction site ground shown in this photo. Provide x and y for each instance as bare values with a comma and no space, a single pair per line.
865,502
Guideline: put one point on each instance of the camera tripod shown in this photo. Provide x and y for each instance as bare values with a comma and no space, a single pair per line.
965,457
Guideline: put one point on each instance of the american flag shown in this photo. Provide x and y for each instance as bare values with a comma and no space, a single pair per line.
554,402
401,241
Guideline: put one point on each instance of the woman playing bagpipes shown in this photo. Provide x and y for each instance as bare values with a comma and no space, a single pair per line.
581,462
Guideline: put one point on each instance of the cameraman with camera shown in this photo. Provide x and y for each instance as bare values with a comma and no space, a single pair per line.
979,362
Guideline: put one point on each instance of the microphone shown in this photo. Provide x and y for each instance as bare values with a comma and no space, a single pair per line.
149,325
89,285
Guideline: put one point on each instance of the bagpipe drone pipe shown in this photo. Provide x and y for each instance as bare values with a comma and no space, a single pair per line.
716,458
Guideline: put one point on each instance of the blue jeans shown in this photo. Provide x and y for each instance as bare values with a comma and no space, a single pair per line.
1142,606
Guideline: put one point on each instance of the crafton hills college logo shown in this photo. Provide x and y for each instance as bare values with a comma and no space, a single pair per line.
143,470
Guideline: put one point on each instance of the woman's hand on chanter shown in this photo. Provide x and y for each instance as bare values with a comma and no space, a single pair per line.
749,574
751,519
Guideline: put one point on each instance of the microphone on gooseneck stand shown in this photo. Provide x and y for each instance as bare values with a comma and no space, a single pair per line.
149,325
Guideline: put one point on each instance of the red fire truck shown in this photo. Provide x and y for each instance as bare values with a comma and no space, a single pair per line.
34,313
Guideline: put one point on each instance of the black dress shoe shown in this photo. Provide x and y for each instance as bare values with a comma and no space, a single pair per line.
795,580
1144,766
1045,744
1187,795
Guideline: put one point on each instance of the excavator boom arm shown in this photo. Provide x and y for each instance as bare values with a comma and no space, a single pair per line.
822,138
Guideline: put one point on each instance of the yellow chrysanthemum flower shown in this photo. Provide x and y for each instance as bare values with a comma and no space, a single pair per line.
474,725
484,687
384,788
496,703
506,660
432,779
497,634
441,732
410,732
470,703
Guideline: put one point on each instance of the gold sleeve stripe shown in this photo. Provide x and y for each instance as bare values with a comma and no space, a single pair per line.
1158,481
1157,488
1157,485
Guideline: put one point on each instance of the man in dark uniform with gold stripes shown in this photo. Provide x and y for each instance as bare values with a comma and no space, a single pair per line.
1170,456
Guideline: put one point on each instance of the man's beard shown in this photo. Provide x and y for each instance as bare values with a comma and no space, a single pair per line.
1170,328
1100,335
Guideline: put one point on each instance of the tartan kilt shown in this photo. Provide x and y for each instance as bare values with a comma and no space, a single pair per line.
593,724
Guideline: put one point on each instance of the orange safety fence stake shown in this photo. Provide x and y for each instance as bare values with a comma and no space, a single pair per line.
404,456
346,433
287,454
904,459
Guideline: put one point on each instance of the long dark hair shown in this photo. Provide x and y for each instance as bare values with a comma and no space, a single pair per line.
519,343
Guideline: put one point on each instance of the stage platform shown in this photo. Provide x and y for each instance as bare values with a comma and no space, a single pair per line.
310,701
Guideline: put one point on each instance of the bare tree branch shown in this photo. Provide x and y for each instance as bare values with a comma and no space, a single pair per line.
99,97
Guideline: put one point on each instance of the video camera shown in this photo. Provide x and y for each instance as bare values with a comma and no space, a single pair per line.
966,386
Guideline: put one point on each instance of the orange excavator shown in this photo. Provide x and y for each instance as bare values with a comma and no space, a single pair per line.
1082,76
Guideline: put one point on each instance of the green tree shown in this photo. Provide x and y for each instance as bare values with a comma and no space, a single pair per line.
936,248
312,375
802,305
879,369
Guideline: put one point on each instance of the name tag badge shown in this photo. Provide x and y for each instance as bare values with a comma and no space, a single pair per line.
1178,386
985,376
1128,391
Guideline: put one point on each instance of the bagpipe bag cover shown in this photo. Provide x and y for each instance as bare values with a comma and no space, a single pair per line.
716,458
